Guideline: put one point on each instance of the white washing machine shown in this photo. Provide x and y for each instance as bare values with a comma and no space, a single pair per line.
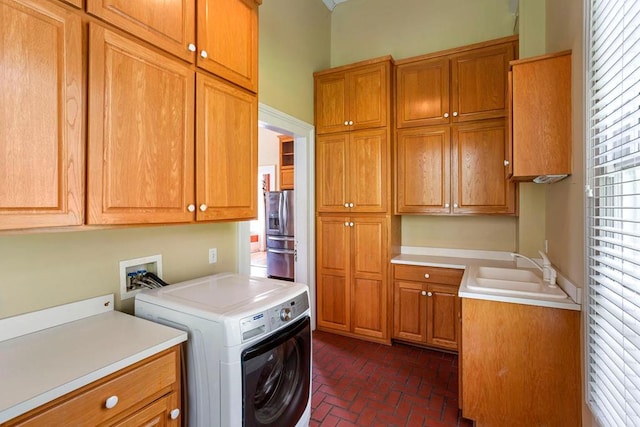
248,355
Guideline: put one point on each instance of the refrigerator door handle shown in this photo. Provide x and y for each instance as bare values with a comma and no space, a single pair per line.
282,251
281,239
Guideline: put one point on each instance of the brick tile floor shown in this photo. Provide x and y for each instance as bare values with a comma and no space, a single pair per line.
358,383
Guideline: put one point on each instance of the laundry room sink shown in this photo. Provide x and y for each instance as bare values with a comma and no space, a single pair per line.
512,281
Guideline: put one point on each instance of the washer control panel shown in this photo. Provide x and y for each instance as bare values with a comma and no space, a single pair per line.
271,319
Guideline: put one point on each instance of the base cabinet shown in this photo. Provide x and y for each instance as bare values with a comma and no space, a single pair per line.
144,394
520,364
427,306
352,280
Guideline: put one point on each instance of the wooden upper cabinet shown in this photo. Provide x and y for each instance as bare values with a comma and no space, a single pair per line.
541,116
41,116
169,24
478,169
479,83
228,40
423,170
226,151
353,97
456,85
422,93
141,138
352,171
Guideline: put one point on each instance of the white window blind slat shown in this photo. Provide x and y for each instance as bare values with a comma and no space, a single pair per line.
613,213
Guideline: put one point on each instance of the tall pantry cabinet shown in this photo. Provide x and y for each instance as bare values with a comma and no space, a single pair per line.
356,231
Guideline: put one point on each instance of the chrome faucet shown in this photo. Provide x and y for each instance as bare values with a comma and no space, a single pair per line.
549,274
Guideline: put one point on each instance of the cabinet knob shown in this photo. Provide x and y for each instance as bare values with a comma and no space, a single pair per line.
506,162
455,205
191,208
350,224
350,205
455,114
204,54
203,207
191,47
346,223
446,205
346,205
429,294
446,115
350,122
427,275
346,122
174,414
423,293
111,402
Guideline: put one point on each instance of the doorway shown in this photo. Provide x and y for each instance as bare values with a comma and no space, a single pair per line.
304,167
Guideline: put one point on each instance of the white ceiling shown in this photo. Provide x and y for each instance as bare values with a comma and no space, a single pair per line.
332,3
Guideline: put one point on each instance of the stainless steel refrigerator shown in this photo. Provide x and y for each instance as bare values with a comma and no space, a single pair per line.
281,251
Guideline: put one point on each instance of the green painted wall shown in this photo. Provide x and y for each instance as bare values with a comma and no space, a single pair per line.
294,42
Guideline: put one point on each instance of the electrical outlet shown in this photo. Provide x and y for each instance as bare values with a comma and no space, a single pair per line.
133,269
213,255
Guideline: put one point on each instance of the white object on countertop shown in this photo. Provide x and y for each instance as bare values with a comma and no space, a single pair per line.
52,361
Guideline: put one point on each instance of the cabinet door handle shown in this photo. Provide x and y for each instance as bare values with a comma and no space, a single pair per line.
174,414
446,205
346,205
506,162
455,205
350,224
191,208
350,205
204,54
455,114
350,122
111,402
446,115
346,122
429,294
423,293
191,47
203,207
346,223
427,275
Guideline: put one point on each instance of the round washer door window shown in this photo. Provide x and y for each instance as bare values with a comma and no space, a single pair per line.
276,377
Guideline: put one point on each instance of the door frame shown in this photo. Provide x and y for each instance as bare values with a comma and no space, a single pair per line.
304,180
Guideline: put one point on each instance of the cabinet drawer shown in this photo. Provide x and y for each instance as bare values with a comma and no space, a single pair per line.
134,389
448,276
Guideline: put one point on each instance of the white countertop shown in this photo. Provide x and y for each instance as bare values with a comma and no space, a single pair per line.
43,365
462,259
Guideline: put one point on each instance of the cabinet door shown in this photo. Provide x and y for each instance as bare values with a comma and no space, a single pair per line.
479,83
228,40
443,308
410,312
368,96
333,266
331,110
76,3
157,414
140,149
169,24
41,116
479,183
423,170
422,93
331,172
227,151
369,277
368,173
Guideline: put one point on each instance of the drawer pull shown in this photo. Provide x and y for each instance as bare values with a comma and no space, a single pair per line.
423,293
426,275
174,414
111,402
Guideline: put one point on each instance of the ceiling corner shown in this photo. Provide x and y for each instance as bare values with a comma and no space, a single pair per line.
331,4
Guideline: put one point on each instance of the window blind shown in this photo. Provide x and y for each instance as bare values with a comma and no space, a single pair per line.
613,211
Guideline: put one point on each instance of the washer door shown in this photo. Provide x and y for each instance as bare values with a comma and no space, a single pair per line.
276,375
